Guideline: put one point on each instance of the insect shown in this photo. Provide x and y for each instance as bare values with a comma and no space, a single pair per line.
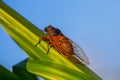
64,45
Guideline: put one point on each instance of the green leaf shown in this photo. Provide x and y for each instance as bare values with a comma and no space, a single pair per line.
21,71
26,35
7,75
53,71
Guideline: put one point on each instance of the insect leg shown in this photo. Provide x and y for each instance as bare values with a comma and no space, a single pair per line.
38,43
43,38
49,46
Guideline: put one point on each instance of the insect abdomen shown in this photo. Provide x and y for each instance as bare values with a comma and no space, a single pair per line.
62,45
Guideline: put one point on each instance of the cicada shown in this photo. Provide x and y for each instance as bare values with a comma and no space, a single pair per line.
64,45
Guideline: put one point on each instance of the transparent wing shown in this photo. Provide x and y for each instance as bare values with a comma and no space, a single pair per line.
79,53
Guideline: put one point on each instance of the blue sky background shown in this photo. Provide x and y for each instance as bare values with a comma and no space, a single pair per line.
93,24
